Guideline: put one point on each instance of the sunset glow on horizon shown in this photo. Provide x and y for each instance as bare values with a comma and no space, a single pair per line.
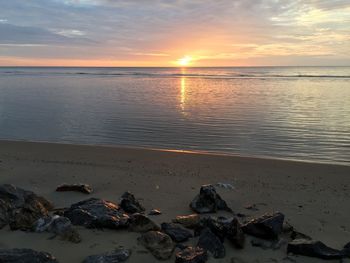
178,33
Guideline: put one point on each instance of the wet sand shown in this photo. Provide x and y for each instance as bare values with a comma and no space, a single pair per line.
314,197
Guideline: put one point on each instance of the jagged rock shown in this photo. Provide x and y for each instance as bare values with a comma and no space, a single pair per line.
176,232
141,223
210,242
24,255
208,201
83,188
189,221
117,256
191,255
159,244
20,208
218,225
155,212
267,226
129,204
235,233
312,248
58,225
97,213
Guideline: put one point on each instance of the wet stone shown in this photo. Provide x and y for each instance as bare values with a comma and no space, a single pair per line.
191,255
97,213
117,256
210,242
208,201
176,232
130,204
25,256
312,248
58,225
188,221
159,244
141,223
82,188
20,208
268,226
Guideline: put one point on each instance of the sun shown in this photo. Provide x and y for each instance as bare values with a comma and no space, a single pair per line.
184,61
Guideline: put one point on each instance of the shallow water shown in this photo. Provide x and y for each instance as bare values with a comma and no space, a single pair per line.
286,112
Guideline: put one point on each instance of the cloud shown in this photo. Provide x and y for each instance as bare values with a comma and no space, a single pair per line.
166,30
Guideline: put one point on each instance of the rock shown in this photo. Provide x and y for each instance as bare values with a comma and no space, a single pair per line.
83,188
159,244
210,242
235,233
58,225
154,212
218,225
208,201
176,232
129,204
117,256
20,208
141,223
346,250
189,221
191,255
267,226
312,248
24,255
97,213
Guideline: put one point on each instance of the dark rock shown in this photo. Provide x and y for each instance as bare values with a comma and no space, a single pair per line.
191,255
312,248
25,256
189,221
129,204
117,256
58,225
20,208
210,242
267,226
155,212
83,188
159,244
141,223
235,233
97,213
218,225
208,201
176,232
346,250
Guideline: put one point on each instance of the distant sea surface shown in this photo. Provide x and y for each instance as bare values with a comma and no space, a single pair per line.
299,113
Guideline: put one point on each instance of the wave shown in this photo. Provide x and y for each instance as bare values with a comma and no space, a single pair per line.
174,75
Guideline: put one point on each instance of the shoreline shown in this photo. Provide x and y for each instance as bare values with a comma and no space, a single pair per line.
314,197
193,152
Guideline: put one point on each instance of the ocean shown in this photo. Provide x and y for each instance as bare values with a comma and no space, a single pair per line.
297,113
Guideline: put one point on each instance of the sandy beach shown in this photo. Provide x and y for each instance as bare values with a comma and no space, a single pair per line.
314,197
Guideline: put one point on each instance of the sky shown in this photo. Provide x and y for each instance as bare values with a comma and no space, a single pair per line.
174,32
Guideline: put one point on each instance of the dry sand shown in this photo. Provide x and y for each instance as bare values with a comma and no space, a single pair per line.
314,197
